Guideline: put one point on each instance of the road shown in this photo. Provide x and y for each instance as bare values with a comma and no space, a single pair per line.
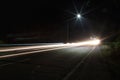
66,63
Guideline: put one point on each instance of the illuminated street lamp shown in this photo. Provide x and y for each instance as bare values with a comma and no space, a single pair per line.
78,16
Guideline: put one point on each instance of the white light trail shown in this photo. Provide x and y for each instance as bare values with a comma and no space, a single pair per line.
31,52
94,42
84,43
31,47
48,48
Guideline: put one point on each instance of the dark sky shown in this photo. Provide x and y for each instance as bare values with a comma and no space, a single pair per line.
48,19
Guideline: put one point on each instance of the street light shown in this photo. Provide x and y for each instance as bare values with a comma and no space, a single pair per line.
78,16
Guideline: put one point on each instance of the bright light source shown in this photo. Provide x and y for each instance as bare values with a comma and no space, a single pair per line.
78,16
95,42
67,43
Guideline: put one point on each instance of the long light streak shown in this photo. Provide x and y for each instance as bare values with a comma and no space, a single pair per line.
90,42
31,47
48,48
31,52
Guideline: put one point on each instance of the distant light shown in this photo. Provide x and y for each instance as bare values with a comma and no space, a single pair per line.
78,16
67,43
95,42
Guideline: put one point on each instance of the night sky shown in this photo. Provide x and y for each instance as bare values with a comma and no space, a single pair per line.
47,20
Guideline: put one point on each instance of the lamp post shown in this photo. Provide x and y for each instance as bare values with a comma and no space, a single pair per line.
78,16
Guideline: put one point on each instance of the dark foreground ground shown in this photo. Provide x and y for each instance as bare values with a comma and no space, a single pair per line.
77,63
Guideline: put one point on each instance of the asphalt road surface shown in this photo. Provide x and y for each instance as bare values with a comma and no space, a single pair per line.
72,63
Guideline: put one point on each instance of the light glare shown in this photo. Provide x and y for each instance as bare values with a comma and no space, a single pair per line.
78,16
95,42
85,43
